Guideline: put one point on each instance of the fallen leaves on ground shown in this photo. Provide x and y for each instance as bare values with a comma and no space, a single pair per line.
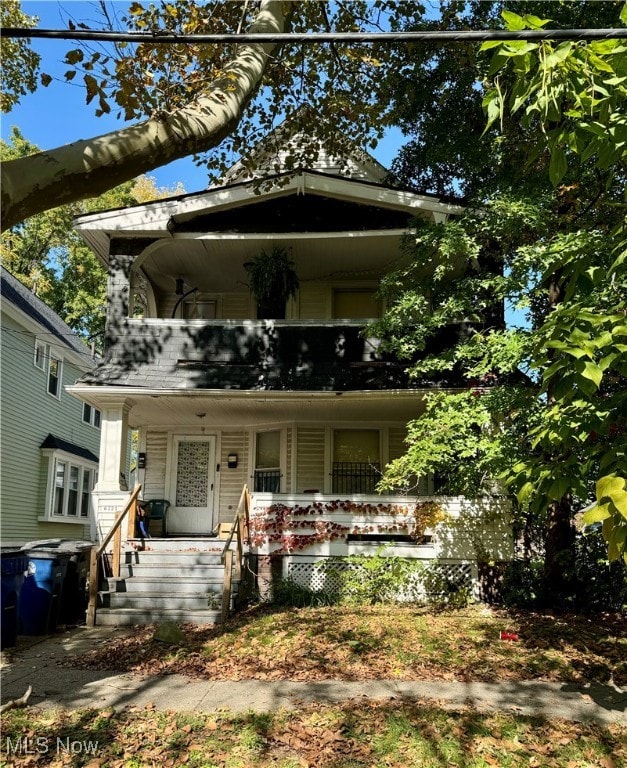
379,642
353,734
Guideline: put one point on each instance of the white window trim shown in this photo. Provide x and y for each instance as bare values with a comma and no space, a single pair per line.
70,460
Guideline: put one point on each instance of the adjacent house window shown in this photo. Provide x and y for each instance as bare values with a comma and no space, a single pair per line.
91,415
72,480
55,368
40,355
267,477
356,460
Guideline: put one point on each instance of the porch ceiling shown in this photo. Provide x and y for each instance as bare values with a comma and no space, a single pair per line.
223,409
216,263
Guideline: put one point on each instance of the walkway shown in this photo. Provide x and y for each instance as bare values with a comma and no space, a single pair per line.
38,661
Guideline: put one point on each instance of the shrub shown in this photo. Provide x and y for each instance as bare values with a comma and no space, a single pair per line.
289,594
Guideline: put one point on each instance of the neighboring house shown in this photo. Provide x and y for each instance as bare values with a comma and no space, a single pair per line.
50,440
307,410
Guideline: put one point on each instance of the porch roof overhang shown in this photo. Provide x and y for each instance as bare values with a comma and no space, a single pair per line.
227,408
162,218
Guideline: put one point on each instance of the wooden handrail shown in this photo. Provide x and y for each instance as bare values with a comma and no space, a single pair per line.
239,528
97,551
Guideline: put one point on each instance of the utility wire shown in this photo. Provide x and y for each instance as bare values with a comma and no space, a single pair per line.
455,36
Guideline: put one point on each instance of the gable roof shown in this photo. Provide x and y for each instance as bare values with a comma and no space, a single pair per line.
293,139
51,325
161,218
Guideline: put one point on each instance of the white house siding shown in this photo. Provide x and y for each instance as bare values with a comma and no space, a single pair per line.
232,480
314,301
474,529
28,415
310,459
154,479
236,306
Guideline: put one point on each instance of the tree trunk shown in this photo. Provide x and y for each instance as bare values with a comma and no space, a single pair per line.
558,550
87,168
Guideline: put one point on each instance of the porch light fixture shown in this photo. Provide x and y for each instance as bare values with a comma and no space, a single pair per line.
232,461
180,286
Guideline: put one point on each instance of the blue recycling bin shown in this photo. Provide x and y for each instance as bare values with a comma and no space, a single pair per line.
42,588
14,564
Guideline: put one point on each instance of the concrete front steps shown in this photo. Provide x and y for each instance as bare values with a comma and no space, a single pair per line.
177,580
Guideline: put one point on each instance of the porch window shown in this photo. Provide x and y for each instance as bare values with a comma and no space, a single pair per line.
355,305
356,460
267,477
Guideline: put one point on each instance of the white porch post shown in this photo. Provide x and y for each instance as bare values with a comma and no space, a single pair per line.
111,492
113,446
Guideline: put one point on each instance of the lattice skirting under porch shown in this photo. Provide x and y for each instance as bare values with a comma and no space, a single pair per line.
434,580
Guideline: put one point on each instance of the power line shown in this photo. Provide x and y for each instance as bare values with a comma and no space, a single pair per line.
454,36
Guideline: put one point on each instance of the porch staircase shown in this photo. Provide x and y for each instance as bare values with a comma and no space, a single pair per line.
178,580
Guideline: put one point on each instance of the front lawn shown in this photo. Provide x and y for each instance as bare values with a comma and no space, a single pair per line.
381,642
355,734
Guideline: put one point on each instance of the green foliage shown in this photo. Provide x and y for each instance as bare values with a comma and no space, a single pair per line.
48,256
20,64
546,236
272,280
372,579
288,593
594,583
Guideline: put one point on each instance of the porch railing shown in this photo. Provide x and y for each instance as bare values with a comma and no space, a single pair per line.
97,551
239,530
267,480
355,476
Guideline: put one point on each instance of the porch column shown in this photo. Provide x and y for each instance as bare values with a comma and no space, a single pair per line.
113,446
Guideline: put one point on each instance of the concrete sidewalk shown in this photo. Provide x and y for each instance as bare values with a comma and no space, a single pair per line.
43,663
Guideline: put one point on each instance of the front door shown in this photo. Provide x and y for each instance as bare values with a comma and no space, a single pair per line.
193,480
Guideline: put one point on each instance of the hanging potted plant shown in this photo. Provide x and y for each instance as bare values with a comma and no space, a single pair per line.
272,280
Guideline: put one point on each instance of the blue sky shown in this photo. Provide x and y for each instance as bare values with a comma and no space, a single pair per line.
58,114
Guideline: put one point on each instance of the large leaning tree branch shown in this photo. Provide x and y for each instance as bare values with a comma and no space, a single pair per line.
89,167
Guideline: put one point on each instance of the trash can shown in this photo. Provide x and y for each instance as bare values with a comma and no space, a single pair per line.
74,592
41,592
14,564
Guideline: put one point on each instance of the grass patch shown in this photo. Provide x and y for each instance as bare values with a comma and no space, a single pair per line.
382,642
351,735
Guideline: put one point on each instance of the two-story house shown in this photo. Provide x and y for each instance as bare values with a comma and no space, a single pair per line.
50,440
305,409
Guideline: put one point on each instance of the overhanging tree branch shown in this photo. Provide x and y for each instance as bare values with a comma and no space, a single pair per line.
86,168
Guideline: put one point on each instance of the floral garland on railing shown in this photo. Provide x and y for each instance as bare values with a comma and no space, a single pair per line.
268,526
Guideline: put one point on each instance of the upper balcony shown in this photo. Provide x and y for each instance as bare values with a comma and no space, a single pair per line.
298,355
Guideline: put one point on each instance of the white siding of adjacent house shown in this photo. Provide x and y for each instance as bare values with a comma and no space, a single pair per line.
28,415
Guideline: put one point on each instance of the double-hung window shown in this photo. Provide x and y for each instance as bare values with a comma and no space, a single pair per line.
51,364
267,478
356,460
91,415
